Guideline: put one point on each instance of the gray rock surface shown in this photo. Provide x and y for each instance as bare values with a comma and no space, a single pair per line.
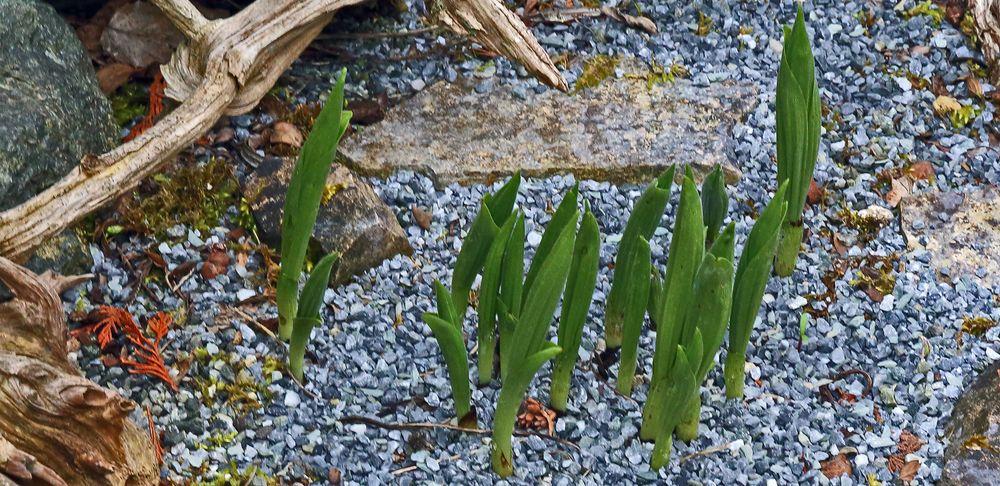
51,114
977,413
620,131
51,110
960,231
353,222
140,35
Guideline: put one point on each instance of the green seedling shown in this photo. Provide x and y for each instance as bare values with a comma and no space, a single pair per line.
685,255
798,132
299,313
748,290
714,203
529,349
308,313
305,192
638,284
576,305
494,219
708,315
641,224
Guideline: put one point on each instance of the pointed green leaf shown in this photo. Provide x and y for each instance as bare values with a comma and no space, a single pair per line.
455,358
636,299
714,203
566,215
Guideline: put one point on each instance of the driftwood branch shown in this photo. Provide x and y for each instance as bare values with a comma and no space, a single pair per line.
57,428
986,14
224,67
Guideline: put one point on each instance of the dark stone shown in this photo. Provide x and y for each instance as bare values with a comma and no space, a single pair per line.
51,110
354,222
976,416
83,8
64,253
52,113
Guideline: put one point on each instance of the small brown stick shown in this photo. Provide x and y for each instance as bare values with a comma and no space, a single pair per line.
705,452
856,371
357,419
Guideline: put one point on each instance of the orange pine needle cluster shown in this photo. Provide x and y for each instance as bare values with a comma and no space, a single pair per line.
148,359
154,436
156,90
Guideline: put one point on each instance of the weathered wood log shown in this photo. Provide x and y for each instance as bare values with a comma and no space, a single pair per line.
986,14
56,427
224,67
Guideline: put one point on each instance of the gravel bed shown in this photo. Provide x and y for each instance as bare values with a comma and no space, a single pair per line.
375,358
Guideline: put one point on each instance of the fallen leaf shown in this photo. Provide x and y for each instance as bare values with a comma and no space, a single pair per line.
333,475
908,443
111,76
973,84
946,105
922,170
422,217
216,263
369,111
286,133
909,471
897,193
838,465
815,194
838,245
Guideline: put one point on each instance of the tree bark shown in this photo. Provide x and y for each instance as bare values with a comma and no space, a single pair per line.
224,67
56,427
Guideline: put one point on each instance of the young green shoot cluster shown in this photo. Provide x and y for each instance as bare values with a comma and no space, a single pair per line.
691,305
298,314
517,309
495,216
798,132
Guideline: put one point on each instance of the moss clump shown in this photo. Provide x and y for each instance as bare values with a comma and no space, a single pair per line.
128,103
927,8
976,326
196,196
232,476
595,71
867,226
243,396
978,442
665,75
705,24
964,115
877,282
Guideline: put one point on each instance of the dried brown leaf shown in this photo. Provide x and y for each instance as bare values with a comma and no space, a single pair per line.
112,76
909,471
287,134
838,465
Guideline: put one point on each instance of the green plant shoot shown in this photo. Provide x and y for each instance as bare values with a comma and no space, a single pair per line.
489,293
714,203
308,313
708,315
529,349
686,250
642,223
798,132
447,331
576,304
751,279
305,192
638,283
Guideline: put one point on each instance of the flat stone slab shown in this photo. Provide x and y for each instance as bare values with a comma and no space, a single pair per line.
620,131
960,231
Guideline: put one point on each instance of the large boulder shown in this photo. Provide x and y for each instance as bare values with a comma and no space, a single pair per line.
51,114
51,110
624,130
973,454
958,230
353,221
